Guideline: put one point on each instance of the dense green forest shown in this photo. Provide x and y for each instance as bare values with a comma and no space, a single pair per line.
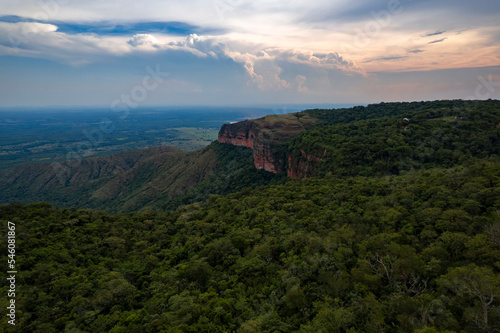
389,138
398,231
416,252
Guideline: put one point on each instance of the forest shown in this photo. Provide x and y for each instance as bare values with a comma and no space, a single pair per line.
398,230
392,137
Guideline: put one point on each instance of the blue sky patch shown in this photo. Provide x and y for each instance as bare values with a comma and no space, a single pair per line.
110,28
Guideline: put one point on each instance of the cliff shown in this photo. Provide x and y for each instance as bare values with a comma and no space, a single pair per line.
267,137
303,165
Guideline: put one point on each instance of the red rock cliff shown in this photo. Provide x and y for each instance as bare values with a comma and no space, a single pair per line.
238,134
249,134
265,136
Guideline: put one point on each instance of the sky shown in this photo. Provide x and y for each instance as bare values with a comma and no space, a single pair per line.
236,52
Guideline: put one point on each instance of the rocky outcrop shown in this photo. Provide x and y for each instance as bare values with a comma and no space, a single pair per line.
266,157
304,165
266,137
251,135
238,134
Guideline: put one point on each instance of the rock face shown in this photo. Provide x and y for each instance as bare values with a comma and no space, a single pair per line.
249,134
266,158
238,134
266,137
302,166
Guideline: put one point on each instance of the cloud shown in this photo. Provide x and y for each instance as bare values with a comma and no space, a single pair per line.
262,64
299,82
334,60
143,41
394,58
361,11
322,27
190,11
265,67
416,51
437,41
266,75
205,46
39,40
26,30
434,33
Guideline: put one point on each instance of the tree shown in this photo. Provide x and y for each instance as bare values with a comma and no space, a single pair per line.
479,283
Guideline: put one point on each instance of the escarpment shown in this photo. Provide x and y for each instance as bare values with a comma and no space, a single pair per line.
267,138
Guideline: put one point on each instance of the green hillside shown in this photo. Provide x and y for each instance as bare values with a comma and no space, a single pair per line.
418,252
128,180
158,177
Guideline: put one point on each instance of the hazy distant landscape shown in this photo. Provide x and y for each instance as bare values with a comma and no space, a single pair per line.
48,135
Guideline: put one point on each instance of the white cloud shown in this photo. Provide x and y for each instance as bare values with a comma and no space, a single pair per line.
144,41
16,34
260,62
44,41
299,82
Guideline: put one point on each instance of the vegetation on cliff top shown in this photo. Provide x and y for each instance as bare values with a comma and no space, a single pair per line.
409,136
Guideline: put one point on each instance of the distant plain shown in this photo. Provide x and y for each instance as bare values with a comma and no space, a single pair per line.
48,135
